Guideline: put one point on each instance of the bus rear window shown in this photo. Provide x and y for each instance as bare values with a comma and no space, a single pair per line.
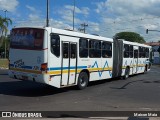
27,38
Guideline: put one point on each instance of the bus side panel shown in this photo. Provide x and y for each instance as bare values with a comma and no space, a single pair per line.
54,67
106,72
100,68
95,68
127,62
55,81
141,65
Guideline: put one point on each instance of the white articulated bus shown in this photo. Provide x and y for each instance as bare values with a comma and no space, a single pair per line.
63,58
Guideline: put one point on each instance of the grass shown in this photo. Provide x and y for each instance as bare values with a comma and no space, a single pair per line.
3,63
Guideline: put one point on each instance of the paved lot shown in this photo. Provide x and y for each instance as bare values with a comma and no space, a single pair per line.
138,93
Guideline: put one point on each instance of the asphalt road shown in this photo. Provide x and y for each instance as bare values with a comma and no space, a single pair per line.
138,93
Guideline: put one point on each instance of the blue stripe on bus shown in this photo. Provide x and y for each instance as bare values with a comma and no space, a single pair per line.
65,68
11,65
26,67
105,65
54,68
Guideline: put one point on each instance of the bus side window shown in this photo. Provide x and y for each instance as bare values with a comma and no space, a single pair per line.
141,52
135,53
91,49
83,48
65,50
147,52
106,49
131,51
95,49
126,51
55,45
73,51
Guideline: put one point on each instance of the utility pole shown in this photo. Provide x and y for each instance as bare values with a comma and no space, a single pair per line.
47,19
74,13
83,25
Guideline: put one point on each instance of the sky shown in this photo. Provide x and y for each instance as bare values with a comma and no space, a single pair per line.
104,17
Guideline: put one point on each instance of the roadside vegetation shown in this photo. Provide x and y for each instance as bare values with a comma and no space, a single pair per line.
130,36
4,39
4,63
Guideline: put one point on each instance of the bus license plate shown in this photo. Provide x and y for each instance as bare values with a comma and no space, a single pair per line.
24,77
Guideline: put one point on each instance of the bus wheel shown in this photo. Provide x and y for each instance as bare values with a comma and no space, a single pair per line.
127,71
82,80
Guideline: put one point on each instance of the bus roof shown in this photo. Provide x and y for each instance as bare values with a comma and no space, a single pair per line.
79,34
136,44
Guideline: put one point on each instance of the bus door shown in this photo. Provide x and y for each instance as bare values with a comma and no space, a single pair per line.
135,61
68,63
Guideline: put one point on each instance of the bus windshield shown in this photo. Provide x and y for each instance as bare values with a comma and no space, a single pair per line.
27,38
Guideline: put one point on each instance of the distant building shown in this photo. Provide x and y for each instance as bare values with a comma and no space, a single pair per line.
153,43
155,55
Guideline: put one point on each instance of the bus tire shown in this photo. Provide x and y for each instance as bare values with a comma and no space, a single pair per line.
82,80
127,71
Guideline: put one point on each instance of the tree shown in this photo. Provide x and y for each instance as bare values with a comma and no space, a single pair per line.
6,42
4,22
130,36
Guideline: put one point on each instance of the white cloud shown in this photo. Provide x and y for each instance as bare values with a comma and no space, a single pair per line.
69,7
31,8
125,7
129,15
59,24
9,5
150,26
83,10
93,27
66,14
34,17
42,22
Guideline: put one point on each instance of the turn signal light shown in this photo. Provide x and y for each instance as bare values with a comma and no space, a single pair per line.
44,67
